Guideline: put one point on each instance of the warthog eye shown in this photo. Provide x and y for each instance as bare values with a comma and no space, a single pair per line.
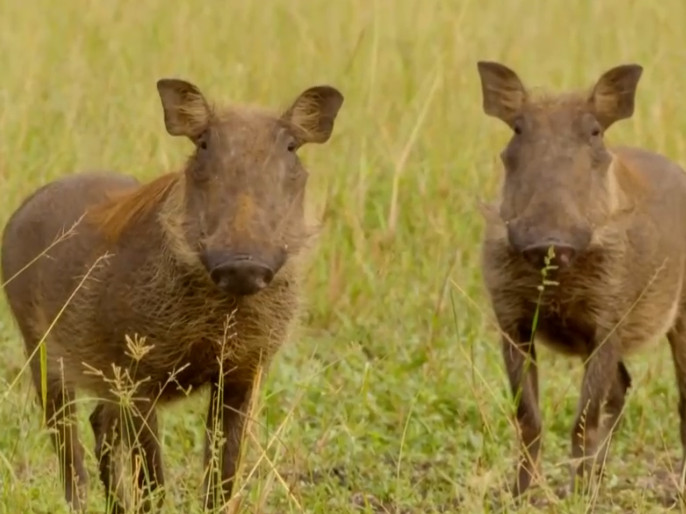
292,145
201,141
517,127
591,126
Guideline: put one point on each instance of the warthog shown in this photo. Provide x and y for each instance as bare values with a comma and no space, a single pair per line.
608,226
202,263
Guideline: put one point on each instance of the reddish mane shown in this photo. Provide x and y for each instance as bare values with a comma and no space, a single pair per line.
122,209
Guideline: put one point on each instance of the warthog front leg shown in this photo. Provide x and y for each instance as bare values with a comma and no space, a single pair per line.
520,363
613,407
139,425
60,414
677,342
599,383
227,411
106,424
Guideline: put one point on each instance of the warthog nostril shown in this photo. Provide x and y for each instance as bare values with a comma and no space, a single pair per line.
240,275
536,254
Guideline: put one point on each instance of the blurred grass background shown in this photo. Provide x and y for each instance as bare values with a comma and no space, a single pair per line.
392,396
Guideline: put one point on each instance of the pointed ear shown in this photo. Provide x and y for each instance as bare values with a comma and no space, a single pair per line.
612,98
186,112
313,113
503,92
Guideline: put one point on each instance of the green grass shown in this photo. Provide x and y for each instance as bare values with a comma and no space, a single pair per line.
391,397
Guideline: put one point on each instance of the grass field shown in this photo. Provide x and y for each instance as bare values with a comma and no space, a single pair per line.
391,397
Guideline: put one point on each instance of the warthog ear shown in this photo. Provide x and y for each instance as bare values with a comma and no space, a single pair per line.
186,112
612,98
313,113
503,92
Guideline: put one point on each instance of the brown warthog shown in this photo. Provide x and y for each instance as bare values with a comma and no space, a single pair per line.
614,222
202,263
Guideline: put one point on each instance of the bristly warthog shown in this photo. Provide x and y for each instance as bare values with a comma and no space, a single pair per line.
202,263
615,220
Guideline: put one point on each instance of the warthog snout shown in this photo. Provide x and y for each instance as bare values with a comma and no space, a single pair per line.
534,246
536,253
241,275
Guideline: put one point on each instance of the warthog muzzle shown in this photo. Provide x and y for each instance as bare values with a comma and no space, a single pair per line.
536,247
240,275
536,254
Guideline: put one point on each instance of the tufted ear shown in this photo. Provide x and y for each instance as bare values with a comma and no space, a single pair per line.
612,98
313,113
502,90
186,112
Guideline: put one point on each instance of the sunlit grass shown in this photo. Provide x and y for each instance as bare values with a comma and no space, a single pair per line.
391,396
